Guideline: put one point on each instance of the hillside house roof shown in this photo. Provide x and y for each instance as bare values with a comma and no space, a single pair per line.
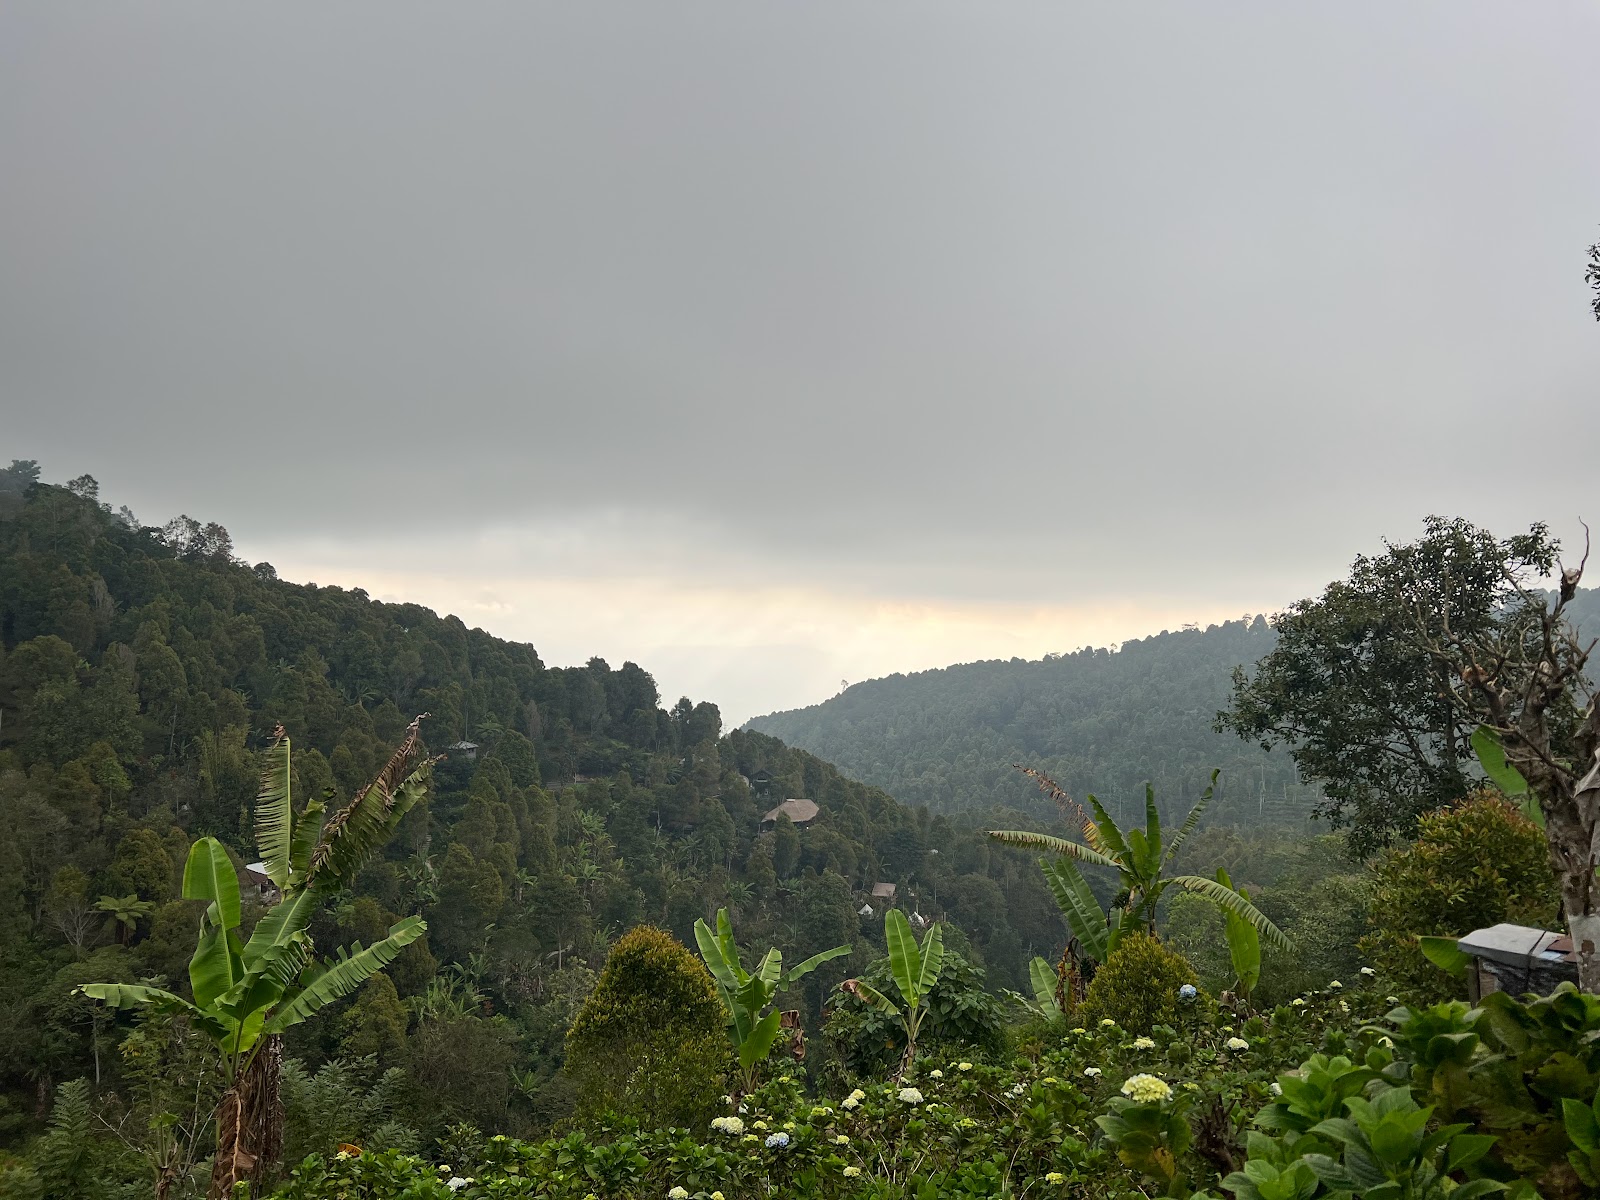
883,891
796,809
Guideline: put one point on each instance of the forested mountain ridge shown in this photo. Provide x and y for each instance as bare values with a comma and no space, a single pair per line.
143,669
1098,720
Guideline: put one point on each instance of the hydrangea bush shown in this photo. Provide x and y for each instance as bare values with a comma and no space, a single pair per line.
1103,1112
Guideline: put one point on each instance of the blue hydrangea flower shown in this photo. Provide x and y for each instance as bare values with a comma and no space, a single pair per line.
777,1141
1187,992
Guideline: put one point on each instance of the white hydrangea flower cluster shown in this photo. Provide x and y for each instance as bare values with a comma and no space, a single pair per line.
910,1096
1238,1043
1146,1089
731,1125
1144,1043
853,1099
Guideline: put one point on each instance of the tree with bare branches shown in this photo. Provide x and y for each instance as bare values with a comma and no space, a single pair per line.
1524,680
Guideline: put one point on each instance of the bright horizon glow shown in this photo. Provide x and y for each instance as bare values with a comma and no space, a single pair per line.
750,649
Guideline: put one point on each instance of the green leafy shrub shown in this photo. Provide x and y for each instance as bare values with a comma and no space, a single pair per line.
963,1018
1512,1068
1474,865
648,1043
1138,986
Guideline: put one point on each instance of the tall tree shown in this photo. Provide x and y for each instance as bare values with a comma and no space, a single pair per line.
1355,689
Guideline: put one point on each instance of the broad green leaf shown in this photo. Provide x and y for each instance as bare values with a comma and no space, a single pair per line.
1445,953
1193,819
1231,901
354,833
1079,908
1053,845
348,973
209,875
1468,1148
1109,836
872,997
274,814
1043,978
801,970
282,922
307,832
214,969
771,969
711,951
905,959
1152,828
136,995
932,962
1491,754
1244,943
758,1043
1492,758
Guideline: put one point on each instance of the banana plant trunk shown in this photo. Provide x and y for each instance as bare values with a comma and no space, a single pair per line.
249,1124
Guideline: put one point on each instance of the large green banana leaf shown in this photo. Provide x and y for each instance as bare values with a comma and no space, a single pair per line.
345,975
1078,906
209,875
275,812
1054,845
905,959
932,962
1231,901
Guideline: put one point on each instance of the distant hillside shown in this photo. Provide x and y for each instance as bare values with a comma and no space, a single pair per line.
1098,720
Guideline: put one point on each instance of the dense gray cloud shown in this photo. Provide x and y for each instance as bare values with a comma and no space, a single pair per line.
979,303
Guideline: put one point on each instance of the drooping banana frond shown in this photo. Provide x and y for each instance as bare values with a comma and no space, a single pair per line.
1052,845
1193,818
1078,906
801,970
135,995
1231,901
870,996
346,975
354,832
274,811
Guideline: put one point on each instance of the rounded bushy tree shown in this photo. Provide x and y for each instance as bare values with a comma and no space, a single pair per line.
648,1043
1474,865
1137,987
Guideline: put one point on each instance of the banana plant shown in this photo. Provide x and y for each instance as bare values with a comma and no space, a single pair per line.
1140,857
915,971
1042,977
248,992
1244,944
745,994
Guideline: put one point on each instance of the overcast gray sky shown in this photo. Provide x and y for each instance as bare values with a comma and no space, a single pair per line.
774,345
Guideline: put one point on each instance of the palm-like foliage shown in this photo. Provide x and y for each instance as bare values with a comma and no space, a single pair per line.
1140,857
248,991
125,913
746,993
